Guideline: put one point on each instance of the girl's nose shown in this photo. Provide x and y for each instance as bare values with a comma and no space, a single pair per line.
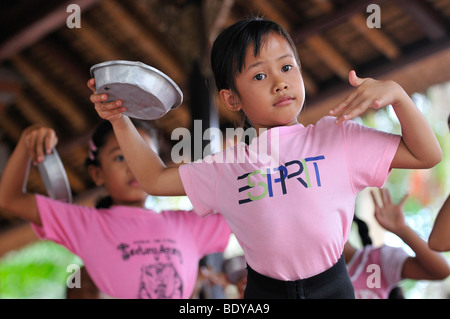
280,86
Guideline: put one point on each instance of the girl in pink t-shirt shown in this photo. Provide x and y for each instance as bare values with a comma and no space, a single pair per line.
128,250
375,271
291,210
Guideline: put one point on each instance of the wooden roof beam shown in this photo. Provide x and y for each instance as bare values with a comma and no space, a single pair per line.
96,44
220,20
329,56
59,102
330,20
377,38
10,128
324,5
78,77
30,111
39,29
426,16
268,10
146,41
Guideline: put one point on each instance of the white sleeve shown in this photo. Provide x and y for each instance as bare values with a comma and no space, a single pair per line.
392,260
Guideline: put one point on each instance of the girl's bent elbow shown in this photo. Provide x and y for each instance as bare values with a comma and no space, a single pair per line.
438,244
436,159
433,159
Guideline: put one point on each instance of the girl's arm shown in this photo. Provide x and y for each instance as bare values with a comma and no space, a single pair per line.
419,147
427,264
151,173
32,144
439,239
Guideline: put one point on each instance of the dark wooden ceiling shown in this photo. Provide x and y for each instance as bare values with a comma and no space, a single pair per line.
44,64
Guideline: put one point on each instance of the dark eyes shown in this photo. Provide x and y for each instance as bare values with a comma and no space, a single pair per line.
119,158
286,68
261,76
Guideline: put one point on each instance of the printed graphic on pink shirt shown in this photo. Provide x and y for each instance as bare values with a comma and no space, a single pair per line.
158,280
268,179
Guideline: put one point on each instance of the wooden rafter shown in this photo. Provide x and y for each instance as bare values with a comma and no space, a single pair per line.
10,128
329,56
58,61
39,29
58,101
30,111
432,62
268,10
378,39
220,20
328,21
324,5
429,20
94,42
145,40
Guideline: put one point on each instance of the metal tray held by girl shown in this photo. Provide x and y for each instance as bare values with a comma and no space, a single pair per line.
146,92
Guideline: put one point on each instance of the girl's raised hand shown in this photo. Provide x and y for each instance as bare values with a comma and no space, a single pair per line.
110,111
389,215
369,93
39,140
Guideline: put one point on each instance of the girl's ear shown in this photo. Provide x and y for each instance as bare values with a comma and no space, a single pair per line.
96,174
230,99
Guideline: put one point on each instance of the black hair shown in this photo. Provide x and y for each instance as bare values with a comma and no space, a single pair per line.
229,48
98,140
363,231
102,132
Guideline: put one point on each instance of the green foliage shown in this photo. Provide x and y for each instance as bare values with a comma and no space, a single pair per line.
35,272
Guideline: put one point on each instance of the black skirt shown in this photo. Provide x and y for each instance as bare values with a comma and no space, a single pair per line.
333,283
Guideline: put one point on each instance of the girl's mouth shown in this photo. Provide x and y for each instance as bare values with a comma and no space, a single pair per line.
285,100
134,183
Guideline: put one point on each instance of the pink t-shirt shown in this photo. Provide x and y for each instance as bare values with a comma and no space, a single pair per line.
134,252
292,217
374,271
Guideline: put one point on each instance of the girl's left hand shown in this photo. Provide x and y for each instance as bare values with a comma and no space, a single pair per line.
389,215
369,93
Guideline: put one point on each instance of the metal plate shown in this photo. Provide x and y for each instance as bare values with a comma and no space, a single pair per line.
54,177
146,92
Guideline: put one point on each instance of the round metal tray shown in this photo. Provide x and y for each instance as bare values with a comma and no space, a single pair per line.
54,177
146,92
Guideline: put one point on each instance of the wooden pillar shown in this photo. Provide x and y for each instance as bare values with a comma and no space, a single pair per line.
203,113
